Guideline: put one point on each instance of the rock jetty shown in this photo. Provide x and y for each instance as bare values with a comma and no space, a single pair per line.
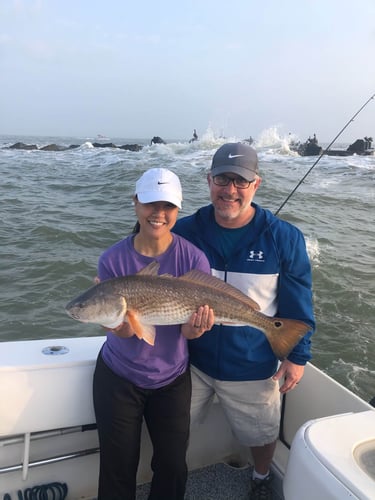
56,147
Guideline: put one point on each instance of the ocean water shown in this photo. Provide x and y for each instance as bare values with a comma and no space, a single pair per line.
60,210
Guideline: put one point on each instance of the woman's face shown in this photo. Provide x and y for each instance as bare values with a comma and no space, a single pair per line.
157,218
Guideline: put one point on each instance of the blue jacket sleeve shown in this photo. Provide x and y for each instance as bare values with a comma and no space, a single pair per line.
295,291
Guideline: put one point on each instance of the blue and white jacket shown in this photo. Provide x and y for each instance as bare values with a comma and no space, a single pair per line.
270,264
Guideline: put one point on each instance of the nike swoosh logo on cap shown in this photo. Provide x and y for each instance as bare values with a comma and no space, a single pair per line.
234,156
162,182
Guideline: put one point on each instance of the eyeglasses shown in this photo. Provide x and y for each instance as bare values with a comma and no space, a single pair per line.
238,182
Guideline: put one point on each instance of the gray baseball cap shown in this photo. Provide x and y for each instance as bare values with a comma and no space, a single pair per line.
237,158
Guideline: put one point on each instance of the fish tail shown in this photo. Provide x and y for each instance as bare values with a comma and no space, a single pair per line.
285,335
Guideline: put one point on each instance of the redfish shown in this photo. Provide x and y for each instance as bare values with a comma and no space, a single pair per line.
146,299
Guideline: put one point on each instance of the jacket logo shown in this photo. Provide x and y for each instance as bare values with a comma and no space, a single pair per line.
256,255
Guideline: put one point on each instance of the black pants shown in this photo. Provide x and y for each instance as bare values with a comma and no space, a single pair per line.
119,408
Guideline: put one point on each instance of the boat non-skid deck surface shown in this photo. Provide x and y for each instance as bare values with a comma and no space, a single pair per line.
217,482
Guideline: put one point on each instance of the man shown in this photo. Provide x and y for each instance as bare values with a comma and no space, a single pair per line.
266,258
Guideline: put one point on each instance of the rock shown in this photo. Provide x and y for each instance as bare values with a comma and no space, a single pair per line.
53,147
131,147
104,145
357,147
21,145
310,149
157,140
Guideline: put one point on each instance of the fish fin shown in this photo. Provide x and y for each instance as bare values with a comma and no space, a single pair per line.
150,270
142,331
196,276
285,335
148,334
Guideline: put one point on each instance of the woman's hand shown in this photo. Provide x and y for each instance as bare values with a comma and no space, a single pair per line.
199,322
124,330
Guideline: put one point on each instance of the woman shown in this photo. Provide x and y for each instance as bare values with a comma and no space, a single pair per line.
134,380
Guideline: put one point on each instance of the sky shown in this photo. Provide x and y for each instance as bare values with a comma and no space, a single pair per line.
80,68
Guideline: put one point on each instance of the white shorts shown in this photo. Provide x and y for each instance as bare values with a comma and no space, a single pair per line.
251,407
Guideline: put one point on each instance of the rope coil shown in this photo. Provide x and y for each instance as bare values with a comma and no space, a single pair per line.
50,491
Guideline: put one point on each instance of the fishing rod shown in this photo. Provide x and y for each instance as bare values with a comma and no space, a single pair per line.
322,154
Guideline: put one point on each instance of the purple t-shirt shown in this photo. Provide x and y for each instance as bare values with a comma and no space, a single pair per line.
144,365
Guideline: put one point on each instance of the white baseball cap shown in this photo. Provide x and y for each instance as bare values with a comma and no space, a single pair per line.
159,184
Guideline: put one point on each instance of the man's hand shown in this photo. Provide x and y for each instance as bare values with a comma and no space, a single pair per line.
291,373
199,322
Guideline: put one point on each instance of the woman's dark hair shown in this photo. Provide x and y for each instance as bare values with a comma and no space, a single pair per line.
136,228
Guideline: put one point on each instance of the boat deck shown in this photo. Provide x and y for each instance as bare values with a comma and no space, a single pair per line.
217,482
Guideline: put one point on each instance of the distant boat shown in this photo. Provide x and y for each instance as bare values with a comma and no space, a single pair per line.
362,147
